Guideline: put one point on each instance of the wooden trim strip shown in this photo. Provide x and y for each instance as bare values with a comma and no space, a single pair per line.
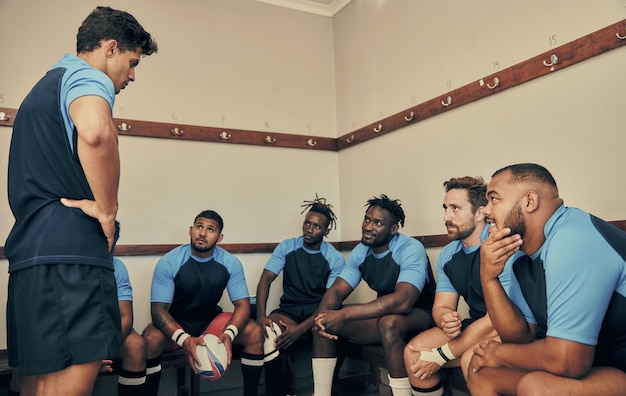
429,241
568,54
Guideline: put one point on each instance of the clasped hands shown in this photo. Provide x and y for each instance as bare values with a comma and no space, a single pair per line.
327,323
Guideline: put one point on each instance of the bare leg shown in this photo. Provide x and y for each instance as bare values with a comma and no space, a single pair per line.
494,381
600,381
75,380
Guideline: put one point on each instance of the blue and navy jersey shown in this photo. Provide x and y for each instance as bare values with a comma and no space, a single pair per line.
458,271
44,167
574,286
122,281
405,261
306,273
194,286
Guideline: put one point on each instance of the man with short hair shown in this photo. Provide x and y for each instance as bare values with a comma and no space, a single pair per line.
187,285
458,274
397,268
309,266
63,180
569,291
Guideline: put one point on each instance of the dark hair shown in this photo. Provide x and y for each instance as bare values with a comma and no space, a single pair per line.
392,205
319,205
212,215
475,186
105,23
528,172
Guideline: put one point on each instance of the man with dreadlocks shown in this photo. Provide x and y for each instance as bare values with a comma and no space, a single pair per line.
397,268
310,266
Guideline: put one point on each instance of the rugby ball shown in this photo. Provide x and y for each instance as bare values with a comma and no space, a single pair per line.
269,345
213,358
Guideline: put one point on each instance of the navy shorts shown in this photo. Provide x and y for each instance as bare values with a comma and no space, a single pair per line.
60,315
297,312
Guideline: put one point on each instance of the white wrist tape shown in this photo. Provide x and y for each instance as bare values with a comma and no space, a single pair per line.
182,339
440,355
176,334
231,331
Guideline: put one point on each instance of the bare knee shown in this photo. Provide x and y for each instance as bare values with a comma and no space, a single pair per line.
154,341
133,352
390,330
534,384
252,337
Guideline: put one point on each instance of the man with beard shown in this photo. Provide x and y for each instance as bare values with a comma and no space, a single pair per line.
458,274
310,266
569,291
187,285
397,268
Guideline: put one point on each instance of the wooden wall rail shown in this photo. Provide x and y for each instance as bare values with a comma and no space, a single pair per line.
603,40
429,241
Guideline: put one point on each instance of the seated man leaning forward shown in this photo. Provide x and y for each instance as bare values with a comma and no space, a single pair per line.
187,285
458,274
309,265
570,291
397,268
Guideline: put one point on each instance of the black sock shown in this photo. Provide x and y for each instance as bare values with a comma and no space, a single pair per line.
131,383
277,382
153,376
251,368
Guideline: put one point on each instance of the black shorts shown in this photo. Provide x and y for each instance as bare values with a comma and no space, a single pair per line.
297,312
60,315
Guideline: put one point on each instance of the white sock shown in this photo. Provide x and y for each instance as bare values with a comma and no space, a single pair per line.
323,370
400,386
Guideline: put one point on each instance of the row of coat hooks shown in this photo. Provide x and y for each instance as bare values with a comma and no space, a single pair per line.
603,40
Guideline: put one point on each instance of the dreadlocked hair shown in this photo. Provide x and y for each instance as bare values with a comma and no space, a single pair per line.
319,205
392,205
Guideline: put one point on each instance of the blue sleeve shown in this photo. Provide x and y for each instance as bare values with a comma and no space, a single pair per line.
276,262
237,287
167,267
413,261
122,281
443,282
335,261
514,292
350,272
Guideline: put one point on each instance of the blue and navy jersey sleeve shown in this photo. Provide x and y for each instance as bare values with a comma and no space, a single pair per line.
122,281
80,79
514,292
443,281
237,287
335,261
167,267
350,272
411,255
277,260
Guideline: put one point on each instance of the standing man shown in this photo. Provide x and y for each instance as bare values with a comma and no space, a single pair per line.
310,266
570,291
187,285
458,274
63,180
397,268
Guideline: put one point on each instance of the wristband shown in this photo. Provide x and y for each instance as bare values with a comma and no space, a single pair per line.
181,339
231,331
440,355
446,352
176,334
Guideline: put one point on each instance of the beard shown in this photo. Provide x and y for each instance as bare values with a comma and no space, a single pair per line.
463,231
515,221
202,249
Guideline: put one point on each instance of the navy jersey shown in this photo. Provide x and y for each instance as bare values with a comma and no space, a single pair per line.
574,286
194,286
405,261
44,167
306,273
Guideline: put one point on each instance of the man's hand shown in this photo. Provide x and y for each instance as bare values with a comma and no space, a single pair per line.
485,355
189,346
322,326
421,369
291,334
496,250
225,339
106,366
90,208
451,324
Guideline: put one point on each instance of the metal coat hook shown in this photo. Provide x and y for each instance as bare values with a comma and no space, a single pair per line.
496,82
270,140
4,116
620,36
447,102
124,127
177,132
350,139
409,117
224,135
378,128
553,61
311,143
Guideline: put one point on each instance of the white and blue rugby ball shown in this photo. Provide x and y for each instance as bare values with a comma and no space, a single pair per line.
213,358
